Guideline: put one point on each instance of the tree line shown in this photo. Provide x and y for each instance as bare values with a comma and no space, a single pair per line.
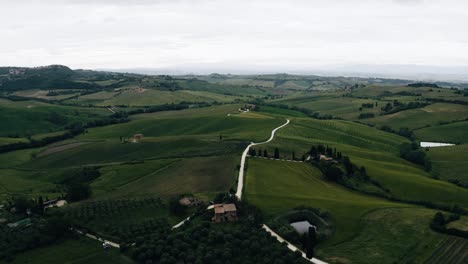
412,153
439,224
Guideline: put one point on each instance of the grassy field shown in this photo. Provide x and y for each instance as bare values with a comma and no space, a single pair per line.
376,150
82,250
449,133
461,224
27,118
168,177
390,236
30,184
418,118
181,152
453,250
278,186
450,163
135,96
335,105
395,231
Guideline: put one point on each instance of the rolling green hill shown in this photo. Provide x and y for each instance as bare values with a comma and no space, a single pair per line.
377,151
277,187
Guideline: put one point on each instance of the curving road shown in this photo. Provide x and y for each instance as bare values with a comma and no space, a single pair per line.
291,246
240,179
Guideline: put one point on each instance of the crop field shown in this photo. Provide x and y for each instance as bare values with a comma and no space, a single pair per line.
82,250
376,150
167,177
453,250
13,182
344,107
450,163
449,133
461,224
20,119
232,127
418,118
142,97
43,94
179,153
279,186
390,236
132,180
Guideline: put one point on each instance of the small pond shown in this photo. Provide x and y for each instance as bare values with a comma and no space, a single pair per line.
302,227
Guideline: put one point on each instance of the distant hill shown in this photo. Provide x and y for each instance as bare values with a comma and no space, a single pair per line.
50,77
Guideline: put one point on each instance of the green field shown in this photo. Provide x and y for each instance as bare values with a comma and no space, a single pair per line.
431,115
357,218
27,118
167,177
376,150
269,186
181,152
453,250
335,105
197,151
449,133
390,236
450,163
141,97
82,250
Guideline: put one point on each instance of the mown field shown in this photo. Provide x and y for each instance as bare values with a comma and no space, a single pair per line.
82,250
395,231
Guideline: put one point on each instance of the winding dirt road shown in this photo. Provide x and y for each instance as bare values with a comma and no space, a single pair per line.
240,179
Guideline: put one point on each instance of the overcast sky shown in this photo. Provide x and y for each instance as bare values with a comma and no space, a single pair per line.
265,33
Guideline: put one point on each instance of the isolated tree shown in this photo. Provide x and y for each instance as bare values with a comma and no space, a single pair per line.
348,165
313,151
293,155
265,153
311,241
276,155
40,204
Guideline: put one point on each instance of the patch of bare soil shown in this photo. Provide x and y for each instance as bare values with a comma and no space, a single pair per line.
53,150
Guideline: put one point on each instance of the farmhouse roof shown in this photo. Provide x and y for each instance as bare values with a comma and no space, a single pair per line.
222,208
229,207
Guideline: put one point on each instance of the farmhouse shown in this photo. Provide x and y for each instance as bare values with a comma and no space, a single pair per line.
224,213
138,136
323,157
250,106
189,201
